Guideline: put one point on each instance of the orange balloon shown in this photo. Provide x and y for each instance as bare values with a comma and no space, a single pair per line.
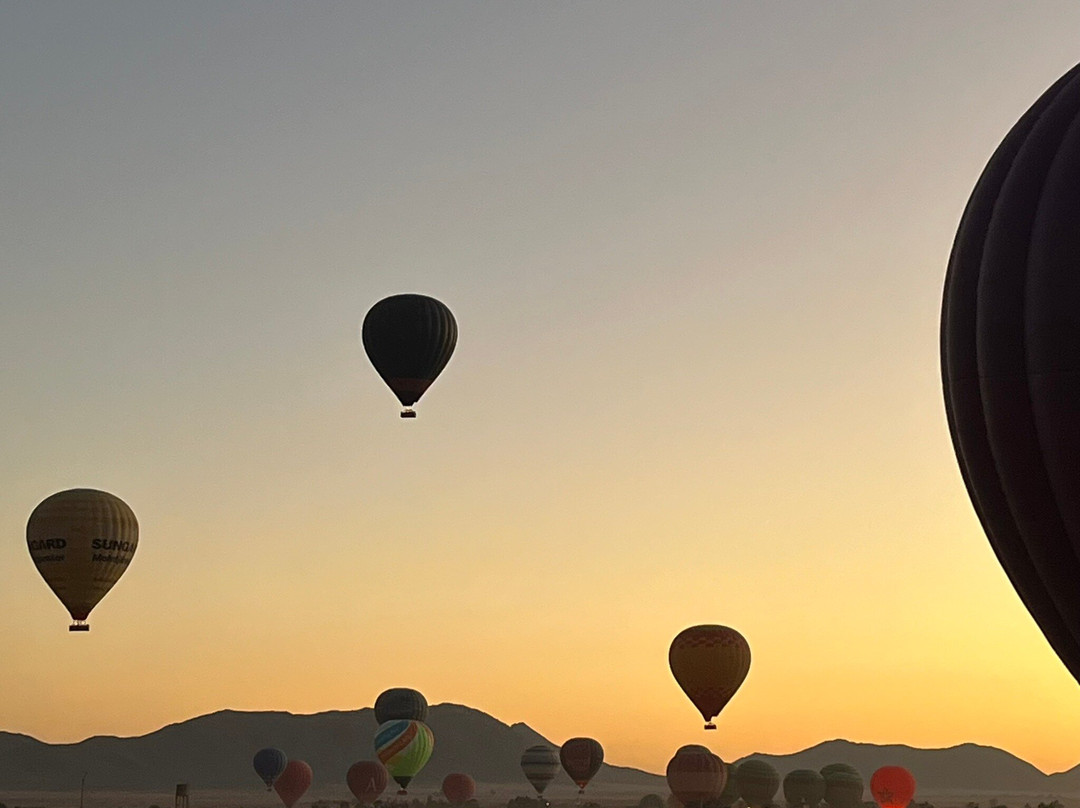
709,663
892,787
293,782
367,780
458,788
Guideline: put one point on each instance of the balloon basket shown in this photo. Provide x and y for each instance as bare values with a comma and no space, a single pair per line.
710,725
408,413
79,626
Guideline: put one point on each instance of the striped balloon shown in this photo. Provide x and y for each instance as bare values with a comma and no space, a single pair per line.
404,748
540,765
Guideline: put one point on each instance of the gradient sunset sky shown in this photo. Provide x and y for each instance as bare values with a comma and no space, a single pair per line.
696,254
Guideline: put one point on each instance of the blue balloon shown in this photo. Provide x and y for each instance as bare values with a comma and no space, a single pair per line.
269,764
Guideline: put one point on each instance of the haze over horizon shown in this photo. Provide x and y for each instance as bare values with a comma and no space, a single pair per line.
696,256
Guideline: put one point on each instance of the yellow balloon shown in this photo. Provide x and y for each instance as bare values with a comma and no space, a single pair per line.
81,541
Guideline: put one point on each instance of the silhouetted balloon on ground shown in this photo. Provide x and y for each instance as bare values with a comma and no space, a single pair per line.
539,764
581,758
803,787
709,663
730,793
400,703
404,747
82,541
651,801
367,780
458,788
758,782
843,786
409,339
892,787
293,782
1010,351
695,775
269,763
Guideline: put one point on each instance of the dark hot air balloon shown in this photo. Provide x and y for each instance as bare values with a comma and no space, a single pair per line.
651,801
458,788
581,758
400,703
695,775
409,339
758,782
1010,351
367,780
540,764
709,663
82,541
293,782
892,787
843,786
803,787
269,763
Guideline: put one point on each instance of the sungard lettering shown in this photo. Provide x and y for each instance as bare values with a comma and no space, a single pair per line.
48,544
113,545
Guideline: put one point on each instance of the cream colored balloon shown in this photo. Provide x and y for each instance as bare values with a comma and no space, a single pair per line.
81,541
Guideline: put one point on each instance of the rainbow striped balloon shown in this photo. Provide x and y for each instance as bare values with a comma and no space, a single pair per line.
404,748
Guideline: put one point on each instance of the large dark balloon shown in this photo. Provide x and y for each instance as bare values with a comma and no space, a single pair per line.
400,704
367,780
843,786
1010,355
269,763
409,340
731,786
758,782
695,775
803,787
581,758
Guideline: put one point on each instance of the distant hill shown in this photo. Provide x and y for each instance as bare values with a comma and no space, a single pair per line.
214,752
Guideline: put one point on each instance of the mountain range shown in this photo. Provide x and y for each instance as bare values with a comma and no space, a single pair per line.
214,752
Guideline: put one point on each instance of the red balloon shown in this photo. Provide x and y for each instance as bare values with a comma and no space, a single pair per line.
293,782
892,787
695,774
458,788
367,780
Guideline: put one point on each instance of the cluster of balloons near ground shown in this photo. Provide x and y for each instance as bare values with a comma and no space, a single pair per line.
699,779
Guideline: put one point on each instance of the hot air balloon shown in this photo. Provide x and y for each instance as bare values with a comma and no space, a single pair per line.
843,786
540,764
409,340
581,758
458,788
892,787
730,794
695,775
269,763
404,747
758,782
367,780
709,663
81,541
804,787
400,703
293,782
1010,348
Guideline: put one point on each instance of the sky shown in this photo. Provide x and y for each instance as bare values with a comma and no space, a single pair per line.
695,252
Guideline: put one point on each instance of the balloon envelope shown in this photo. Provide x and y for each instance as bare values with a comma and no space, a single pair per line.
409,339
404,747
458,788
892,786
843,786
758,782
540,764
293,782
581,759
709,663
400,703
804,787
82,541
1010,348
651,801
269,763
695,775
367,780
